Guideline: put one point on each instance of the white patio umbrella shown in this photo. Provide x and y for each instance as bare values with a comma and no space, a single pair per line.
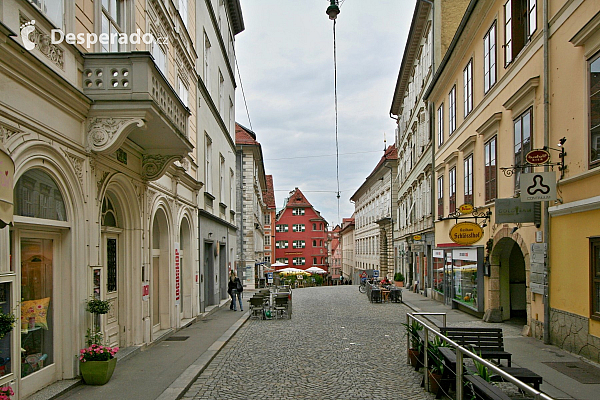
316,270
293,271
278,264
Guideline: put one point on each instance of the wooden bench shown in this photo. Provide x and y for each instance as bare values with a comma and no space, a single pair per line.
488,343
484,389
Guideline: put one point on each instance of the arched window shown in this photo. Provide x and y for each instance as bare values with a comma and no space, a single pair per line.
38,196
109,215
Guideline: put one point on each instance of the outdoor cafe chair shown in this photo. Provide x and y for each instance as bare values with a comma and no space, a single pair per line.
281,307
257,307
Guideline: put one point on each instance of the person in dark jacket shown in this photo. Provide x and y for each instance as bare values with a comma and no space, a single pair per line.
235,288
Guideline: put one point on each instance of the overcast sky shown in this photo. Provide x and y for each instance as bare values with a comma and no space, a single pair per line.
285,57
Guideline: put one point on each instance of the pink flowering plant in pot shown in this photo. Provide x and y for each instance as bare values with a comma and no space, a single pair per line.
97,352
6,392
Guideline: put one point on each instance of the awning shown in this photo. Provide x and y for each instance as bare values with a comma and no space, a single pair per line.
7,171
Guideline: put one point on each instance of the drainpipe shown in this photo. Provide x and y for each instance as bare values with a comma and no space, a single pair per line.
545,204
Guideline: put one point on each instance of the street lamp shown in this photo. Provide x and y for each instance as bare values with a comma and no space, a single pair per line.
333,10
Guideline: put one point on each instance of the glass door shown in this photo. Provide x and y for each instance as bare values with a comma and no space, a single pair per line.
37,305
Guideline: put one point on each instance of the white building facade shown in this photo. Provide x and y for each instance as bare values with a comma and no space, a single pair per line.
251,206
373,209
217,24
109,174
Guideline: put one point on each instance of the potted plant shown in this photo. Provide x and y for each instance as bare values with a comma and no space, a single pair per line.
6,392
97,306
399,279
435,363
7,323
415,348
97,363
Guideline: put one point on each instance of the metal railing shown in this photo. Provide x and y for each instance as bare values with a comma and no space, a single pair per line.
461,352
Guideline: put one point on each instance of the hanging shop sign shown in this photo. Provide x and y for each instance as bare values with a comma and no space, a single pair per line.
466,209
417,237
537,157
465,254
418,248
514,210
538,186
466,233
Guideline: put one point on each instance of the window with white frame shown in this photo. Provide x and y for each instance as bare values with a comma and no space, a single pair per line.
268,259
594,107
221,94
53,10
298,244
231,189
281,244
267,240
468,87
452,110
208,164
440,124
231,117
221,178
522,134
298,211
183,91
206,62
283,260
267,219
160,57
520,23
489,59
281,228
183,11
298,228
468,164
299,261
489,150
112,24
452,189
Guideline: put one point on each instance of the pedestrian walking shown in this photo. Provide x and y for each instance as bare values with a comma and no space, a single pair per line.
235,289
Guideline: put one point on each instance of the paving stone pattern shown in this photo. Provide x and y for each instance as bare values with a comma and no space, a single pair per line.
337,345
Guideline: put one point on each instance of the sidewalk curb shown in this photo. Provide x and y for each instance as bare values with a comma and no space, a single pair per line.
178,388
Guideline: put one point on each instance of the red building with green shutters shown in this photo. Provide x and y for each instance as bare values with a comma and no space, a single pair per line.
300,234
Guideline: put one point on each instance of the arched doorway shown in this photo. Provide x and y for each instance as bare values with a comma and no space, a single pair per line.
112,260
44,280
507,256
159,279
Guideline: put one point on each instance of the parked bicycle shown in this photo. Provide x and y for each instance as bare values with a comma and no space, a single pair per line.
362,288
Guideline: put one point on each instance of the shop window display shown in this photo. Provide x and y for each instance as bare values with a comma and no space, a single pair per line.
37,333
6,340
465,282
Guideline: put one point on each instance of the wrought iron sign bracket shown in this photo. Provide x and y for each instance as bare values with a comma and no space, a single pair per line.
509,171
477,214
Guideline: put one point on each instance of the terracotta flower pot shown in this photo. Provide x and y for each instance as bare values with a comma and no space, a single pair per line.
414,356
399,284
97,372
434,381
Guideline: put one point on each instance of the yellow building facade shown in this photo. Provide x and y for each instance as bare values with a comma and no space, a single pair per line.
492,104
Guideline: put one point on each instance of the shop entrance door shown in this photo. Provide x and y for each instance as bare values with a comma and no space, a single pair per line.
112,250
40,307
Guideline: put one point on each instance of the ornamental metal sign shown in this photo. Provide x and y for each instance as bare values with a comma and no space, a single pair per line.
537,157
466,233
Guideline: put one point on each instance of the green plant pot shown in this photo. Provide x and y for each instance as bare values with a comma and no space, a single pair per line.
97,372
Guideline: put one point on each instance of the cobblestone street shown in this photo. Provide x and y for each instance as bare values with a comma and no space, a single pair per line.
336,346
